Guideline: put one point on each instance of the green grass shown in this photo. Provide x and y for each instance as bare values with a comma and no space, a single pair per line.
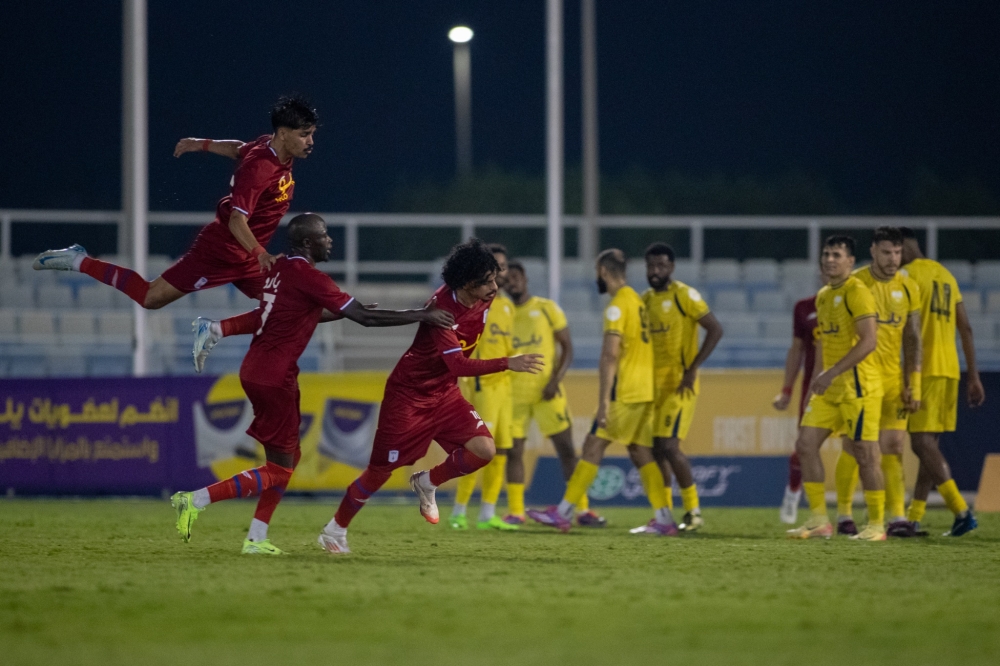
109,582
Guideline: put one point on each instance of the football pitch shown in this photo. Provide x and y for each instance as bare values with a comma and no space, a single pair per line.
110,582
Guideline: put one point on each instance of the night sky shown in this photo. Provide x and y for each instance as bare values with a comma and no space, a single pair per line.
857,94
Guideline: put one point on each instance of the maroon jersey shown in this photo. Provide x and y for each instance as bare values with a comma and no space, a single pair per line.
261,189
437,356
295,295
803,327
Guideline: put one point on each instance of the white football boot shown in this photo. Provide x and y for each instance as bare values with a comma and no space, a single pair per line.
66,259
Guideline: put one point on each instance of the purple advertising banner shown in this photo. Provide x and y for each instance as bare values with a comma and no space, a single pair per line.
112,436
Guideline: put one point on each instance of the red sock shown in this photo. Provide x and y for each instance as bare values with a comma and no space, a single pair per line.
269,499
359,492
459,463
794,473
241,324
124,280
250,482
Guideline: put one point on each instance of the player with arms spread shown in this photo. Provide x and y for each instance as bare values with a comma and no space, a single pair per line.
675,313
846,395
232,248
294,299
941,313
423,402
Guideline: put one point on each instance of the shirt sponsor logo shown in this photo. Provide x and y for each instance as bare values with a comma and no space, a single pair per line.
284,184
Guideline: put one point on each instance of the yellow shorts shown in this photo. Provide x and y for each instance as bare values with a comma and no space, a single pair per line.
894,412
674,413
938,406
495,408
628,423
552,415
857,417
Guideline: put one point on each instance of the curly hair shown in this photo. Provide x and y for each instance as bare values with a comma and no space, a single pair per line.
469,262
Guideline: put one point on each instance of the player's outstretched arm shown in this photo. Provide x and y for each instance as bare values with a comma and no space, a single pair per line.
530,363
227,148
976,394
429,314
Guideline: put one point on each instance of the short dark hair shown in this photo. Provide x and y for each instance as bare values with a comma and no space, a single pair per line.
302,226
471,261
498,248
891,234
293,111
515,265
613,260
840,239
908,232
659,250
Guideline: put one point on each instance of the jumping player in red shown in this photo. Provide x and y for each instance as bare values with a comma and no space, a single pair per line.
232,248
422,401
294,299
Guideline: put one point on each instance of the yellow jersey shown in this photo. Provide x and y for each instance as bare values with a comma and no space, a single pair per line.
837,310
535,323
625,316
939,295
673,324
496,339
895,299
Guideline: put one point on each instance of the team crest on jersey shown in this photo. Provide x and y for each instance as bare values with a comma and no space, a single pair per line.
284,184
667,305
535,313
837,300
897,295
393,456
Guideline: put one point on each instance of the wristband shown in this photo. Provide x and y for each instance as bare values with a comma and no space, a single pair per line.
786,390
914,386
257,251
205,144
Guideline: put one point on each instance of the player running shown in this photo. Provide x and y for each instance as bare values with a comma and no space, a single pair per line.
422,401
540,327
897,302
232,248
846,395
675,313
625,402
490,396
941,312
295,296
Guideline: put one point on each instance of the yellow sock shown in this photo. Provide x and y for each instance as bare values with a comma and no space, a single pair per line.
577,486
583,506
875,499
895,490
689,496
515,499
652,481
816,494
917,510
466,484
668,496
846,477
952,498
493,478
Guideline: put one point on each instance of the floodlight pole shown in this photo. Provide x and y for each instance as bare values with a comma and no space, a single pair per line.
589,233
554,141
462,65
135,156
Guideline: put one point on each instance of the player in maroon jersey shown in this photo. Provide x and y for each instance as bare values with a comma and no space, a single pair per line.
294,298
422,401
232,248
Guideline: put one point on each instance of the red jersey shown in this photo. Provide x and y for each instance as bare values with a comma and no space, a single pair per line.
803,328
295,295
437,356
262,189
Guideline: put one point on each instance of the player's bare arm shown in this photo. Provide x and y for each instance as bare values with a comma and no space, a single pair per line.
530,363
713,333
565,343
793,361
975,393
866,330
240,228
367,317
227,147
607,367
912,353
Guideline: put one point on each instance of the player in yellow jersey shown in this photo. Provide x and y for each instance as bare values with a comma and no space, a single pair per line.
846,395
625,402
941,314
540,327
491,397
897,302
675,313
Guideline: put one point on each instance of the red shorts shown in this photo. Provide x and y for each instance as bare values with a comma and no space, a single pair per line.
275,416
202,267
405,431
